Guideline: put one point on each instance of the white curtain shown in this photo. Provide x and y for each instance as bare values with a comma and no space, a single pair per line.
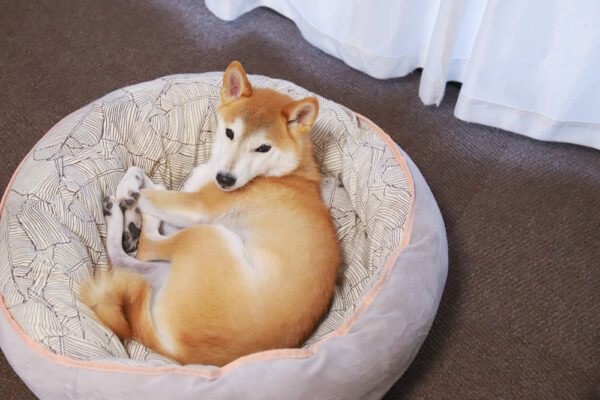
527,66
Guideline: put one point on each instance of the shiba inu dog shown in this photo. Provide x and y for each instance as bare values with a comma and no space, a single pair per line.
247,256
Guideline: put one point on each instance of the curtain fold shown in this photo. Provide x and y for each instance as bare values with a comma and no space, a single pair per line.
530,67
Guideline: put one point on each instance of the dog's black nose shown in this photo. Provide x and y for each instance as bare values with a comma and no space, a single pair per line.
225,179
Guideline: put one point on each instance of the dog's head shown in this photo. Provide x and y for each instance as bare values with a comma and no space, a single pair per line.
260,132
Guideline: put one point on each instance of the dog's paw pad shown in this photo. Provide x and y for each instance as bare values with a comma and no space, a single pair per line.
129,243
133,196
134,230
107,204
126,203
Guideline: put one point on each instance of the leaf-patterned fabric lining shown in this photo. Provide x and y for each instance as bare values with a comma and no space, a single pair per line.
52,229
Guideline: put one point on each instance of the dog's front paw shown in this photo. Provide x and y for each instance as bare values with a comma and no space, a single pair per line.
108,203
132,228
128,190
126,195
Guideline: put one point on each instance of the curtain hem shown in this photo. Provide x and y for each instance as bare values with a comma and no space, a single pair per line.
528,123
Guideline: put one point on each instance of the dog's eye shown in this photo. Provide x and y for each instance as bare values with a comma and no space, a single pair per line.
229,133
263,148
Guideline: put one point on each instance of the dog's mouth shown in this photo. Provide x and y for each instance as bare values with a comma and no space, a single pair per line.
226,188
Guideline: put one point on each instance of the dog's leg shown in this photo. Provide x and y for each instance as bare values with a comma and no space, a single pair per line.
185,209
129,188
126,194
154,245
180,209
151,228
155,272
200,176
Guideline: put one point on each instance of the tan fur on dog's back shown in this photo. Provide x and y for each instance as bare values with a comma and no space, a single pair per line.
220,303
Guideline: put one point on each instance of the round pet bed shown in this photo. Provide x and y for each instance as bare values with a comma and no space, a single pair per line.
52,232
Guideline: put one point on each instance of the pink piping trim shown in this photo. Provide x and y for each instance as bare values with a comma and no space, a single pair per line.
264,355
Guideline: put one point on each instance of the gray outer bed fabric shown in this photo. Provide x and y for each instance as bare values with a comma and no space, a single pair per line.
361,363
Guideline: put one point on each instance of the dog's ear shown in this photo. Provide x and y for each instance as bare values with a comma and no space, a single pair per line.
235,83
300,115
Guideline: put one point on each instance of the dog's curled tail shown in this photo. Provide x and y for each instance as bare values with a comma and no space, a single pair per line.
120,298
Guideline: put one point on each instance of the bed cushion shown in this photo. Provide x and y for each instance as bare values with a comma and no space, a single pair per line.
52,232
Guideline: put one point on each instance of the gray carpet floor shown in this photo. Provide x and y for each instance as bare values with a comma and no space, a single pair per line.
520,315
